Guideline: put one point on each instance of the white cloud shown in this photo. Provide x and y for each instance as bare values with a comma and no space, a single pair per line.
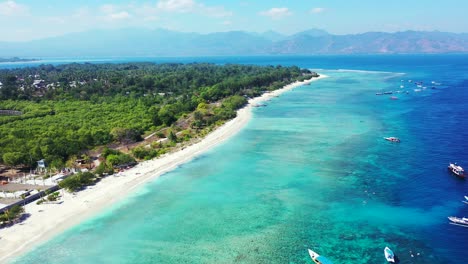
108,9
277,12
182,6
191,6
11,8
150,18
114,12
128,13
227,23
82,12
119,15
317,10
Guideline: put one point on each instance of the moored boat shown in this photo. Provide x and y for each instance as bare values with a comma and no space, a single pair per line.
389,255
458,221
457,170
392,139
318,258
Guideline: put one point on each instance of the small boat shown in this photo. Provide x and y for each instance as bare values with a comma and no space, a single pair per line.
394,98
378,93
389,92
466,199
392,139
318,259
458,221
456,169
389,255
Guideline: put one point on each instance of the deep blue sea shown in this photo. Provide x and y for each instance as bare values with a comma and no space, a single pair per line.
310,170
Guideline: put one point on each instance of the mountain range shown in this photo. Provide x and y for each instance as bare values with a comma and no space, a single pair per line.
161,42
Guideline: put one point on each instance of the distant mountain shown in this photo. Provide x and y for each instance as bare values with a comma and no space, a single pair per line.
271,35
160,42
311,33
375,43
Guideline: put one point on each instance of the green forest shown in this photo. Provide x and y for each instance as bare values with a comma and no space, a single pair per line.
58,113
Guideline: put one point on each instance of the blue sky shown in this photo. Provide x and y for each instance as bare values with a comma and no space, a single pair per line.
22,20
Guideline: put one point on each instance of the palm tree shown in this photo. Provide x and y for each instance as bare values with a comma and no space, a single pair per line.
7,215
87,160
71,162
13,213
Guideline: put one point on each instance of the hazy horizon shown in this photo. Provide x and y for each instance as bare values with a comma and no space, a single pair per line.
227,31
30,20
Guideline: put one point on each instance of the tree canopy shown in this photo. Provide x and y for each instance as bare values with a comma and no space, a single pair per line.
70,108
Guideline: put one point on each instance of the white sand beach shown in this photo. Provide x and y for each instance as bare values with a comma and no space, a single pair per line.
48,220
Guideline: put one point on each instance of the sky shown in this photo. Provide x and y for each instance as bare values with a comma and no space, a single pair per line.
23,20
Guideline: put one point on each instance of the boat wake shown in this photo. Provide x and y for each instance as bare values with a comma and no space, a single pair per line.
458,224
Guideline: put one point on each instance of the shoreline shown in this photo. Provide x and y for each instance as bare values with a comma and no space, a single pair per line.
48,220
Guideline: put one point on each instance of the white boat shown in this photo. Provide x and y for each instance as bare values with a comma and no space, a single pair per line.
458,221
389,255
466,199
456,169
392,139
318,259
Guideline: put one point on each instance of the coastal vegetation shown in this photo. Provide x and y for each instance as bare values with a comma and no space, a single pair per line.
50,197
63,112
78,181
11,215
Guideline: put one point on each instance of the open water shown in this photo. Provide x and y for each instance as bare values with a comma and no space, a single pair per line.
311,170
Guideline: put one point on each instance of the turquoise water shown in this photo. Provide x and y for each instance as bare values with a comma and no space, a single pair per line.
311,170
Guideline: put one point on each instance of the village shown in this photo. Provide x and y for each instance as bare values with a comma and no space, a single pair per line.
19,187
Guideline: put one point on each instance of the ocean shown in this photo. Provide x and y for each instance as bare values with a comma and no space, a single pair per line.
310,170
